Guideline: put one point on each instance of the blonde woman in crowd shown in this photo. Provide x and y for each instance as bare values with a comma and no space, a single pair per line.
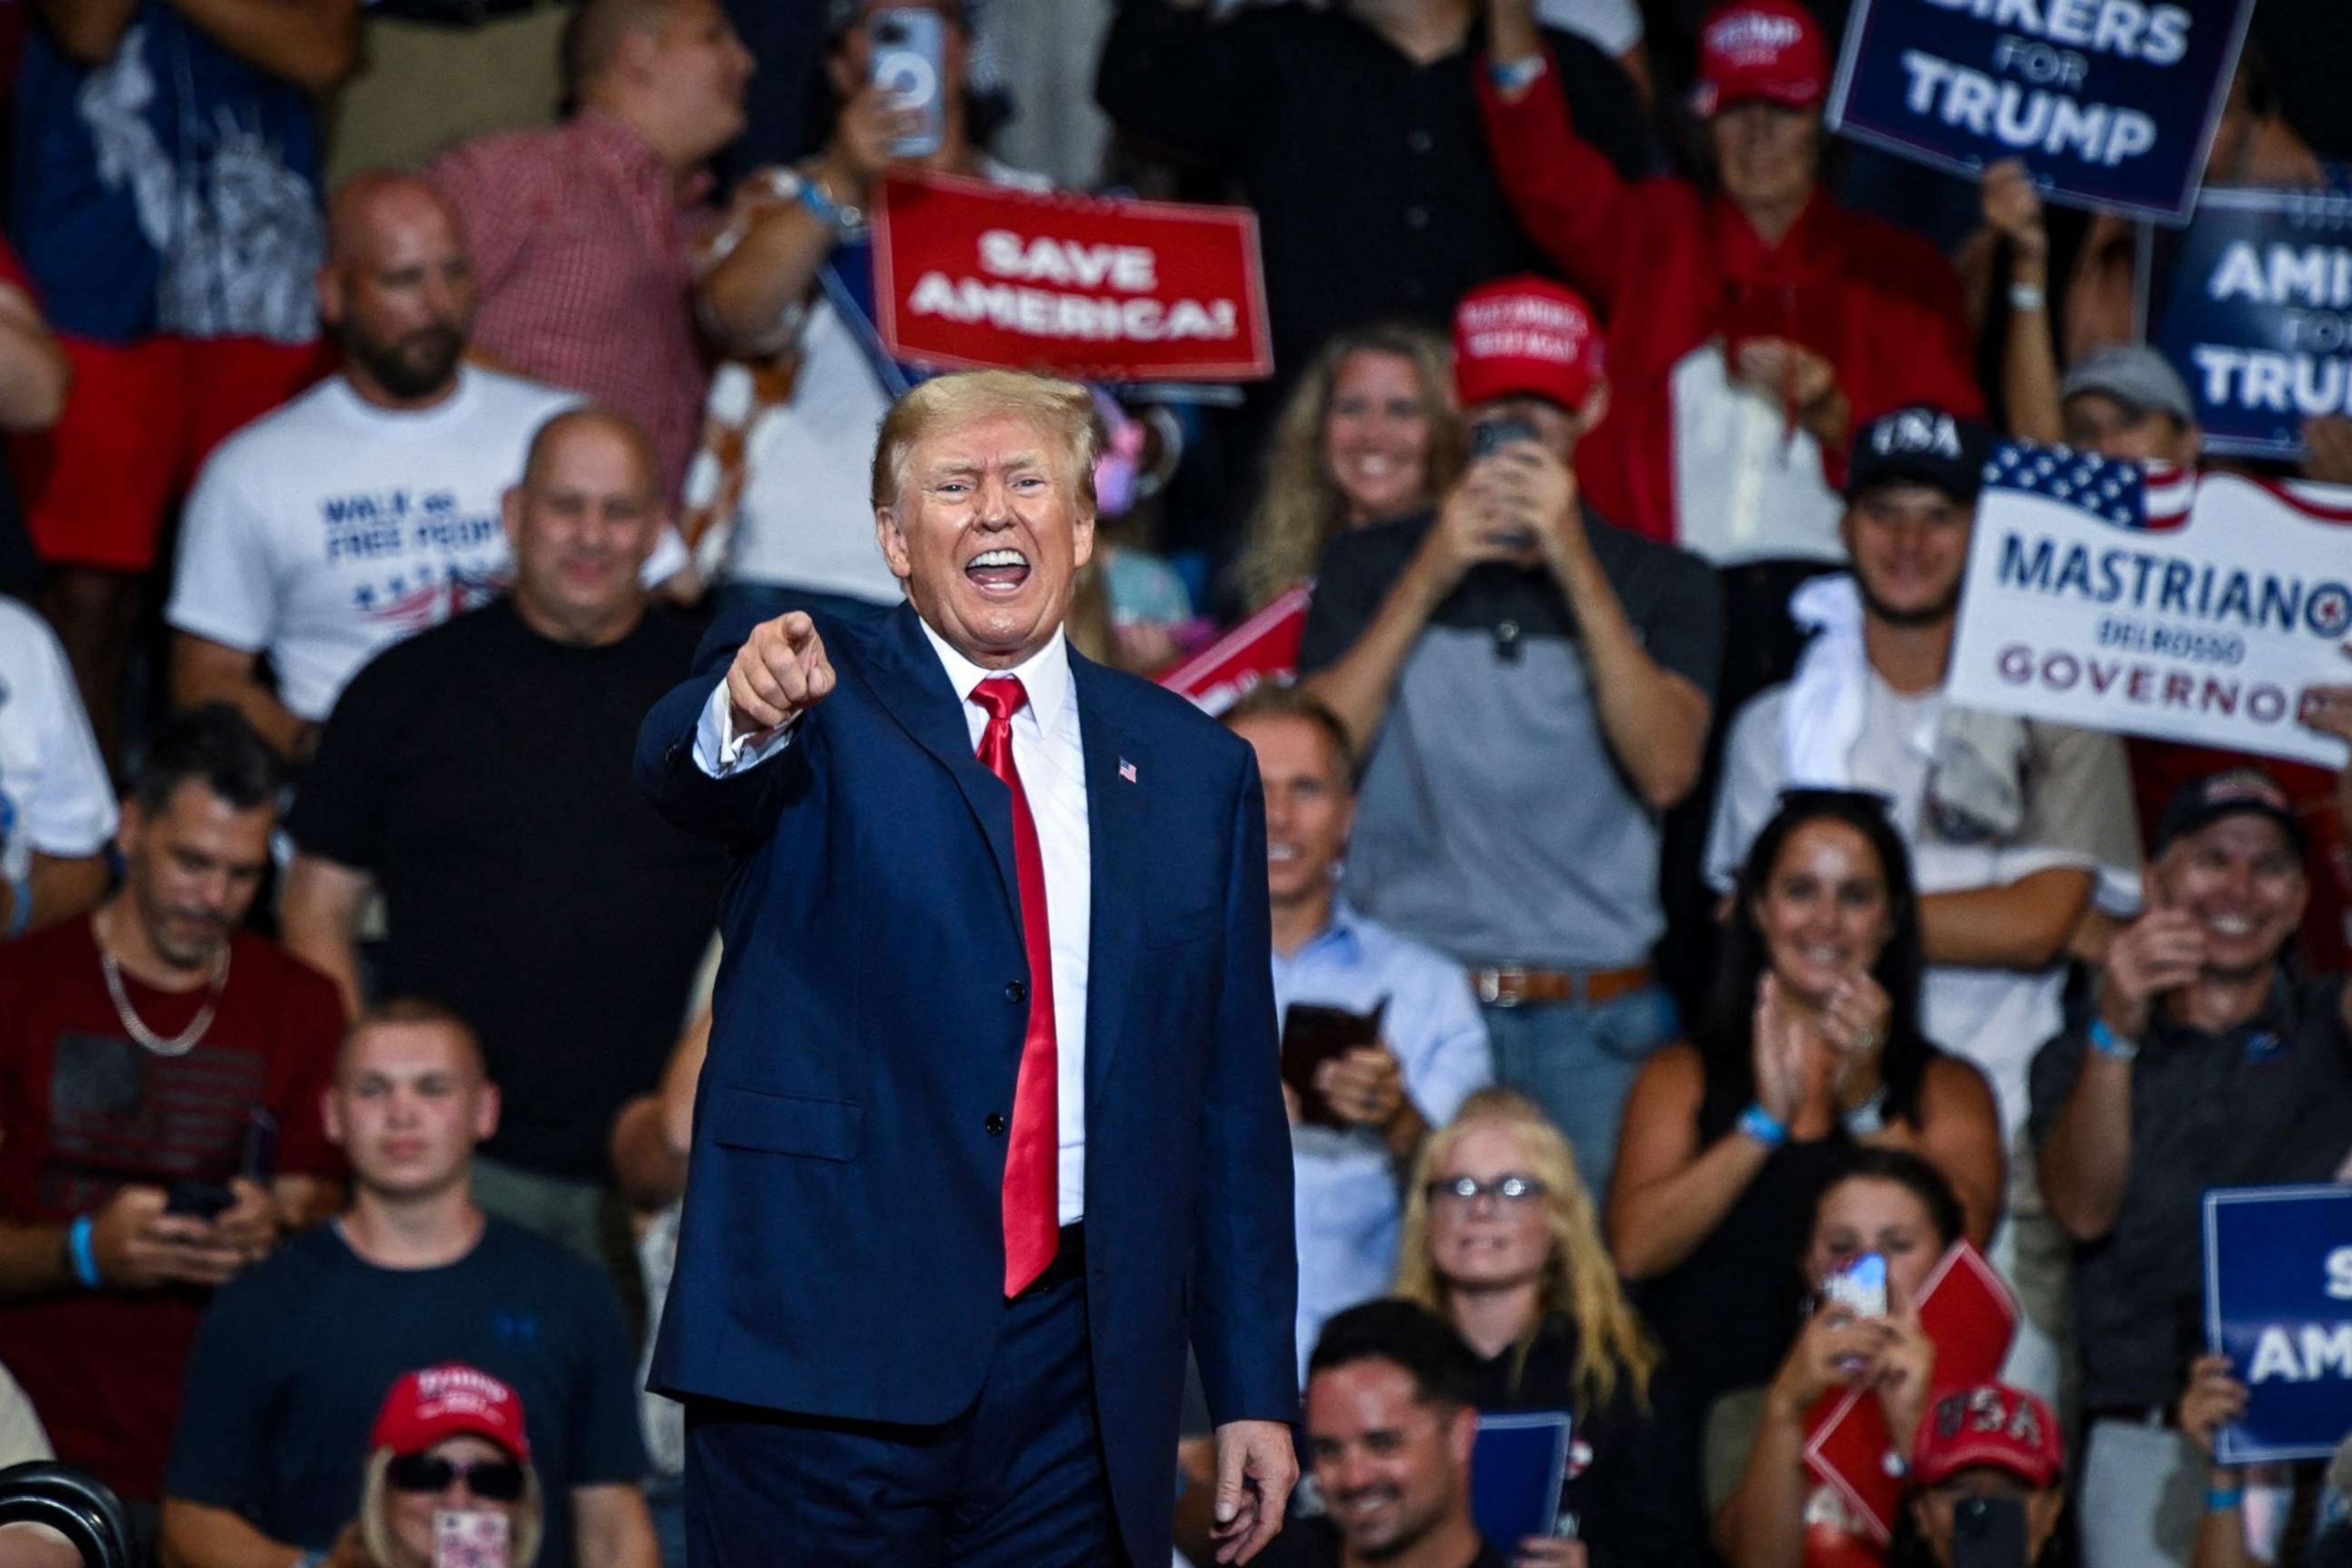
1500,1239
1369,434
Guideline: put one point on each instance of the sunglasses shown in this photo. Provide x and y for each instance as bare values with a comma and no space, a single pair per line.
495,1480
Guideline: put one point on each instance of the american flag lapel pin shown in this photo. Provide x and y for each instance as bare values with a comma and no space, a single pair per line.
1127,770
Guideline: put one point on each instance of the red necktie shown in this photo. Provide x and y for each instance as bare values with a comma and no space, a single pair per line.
1033,1152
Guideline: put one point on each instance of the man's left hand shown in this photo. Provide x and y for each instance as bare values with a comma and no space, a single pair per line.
1366,1086
2328,709
250,1224
1252,1451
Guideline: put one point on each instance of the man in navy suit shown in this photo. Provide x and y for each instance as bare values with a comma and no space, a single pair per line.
992,1116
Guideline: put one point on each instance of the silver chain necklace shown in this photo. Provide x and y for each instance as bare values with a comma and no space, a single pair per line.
187,1040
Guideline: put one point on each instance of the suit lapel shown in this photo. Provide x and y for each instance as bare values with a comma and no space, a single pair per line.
909,680
1118,819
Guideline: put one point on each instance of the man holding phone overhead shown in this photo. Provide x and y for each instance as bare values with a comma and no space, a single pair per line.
1529,687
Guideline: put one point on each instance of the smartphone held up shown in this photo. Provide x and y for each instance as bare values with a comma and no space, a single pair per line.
909,63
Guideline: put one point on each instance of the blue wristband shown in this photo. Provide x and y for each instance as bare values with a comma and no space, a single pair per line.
2107,1043
2223,1501
1513,76
1758,1124
20,904
82,1254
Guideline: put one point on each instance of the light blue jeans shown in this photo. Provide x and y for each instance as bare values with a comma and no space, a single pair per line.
1577,1060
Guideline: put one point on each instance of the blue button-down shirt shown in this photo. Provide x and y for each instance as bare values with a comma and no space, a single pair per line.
1349,1200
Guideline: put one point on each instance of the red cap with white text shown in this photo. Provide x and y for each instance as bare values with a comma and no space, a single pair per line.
1991,1427
1767,49
1525,336
450,1401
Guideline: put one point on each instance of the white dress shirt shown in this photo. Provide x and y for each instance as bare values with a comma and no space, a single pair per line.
1048,751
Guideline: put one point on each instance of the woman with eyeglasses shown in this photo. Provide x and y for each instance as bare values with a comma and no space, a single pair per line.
1768,1509
1500,1239
448,1459
1811,1048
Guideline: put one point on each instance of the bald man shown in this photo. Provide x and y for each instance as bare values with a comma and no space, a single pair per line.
476,776
367,508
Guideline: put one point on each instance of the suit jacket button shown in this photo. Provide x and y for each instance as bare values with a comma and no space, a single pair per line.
996,1125
1015,991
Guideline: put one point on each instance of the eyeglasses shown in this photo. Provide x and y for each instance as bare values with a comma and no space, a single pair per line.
497,1480
1463,1190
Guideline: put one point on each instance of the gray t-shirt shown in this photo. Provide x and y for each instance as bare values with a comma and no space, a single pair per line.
1494,824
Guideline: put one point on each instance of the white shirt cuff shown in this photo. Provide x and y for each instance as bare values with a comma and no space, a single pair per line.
720,752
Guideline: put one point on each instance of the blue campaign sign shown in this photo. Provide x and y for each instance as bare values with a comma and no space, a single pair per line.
2259,316
2278,1300
2109,102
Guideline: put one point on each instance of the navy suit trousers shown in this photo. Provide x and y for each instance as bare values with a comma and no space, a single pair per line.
1016,1481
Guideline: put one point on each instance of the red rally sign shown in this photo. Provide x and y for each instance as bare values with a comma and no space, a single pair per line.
968,273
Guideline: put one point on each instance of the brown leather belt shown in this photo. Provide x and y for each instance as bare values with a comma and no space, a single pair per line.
1511,986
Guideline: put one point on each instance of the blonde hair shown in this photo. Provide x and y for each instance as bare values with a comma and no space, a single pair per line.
1578,1279
1062,411
1300,507
375,1528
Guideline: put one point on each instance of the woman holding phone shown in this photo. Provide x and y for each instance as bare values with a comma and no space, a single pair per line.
449,1479
1890,1214
1500,1241
1811,1048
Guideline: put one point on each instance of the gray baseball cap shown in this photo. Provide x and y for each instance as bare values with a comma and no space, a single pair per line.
2135,375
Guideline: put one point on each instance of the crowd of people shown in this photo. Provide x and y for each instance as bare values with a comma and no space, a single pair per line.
1626,435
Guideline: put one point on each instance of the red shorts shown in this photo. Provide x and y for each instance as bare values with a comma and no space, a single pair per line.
138,421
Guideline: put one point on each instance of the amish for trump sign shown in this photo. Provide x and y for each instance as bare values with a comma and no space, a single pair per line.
969,274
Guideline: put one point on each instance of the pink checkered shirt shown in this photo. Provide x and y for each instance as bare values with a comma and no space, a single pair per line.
584,246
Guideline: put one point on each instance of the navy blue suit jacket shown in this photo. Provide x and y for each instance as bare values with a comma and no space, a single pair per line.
842,1250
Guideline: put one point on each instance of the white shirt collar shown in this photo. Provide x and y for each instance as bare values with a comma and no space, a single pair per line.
1044,675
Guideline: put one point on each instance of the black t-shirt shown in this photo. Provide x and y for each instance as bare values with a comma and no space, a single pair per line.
1369,170
1629,1462
1314,1544
482,773
297,1352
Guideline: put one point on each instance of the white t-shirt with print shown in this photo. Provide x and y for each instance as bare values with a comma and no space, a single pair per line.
324,532
53,795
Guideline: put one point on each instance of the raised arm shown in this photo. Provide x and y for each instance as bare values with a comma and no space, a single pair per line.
2085,1154
1566,195
701,751
2029,361
1654,719
1358,683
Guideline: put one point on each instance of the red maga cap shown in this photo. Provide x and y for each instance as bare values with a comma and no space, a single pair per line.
1990,1426
449,1401
1769,50
1525,336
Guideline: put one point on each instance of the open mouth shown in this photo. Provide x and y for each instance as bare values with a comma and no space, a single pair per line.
1281,854
998,571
